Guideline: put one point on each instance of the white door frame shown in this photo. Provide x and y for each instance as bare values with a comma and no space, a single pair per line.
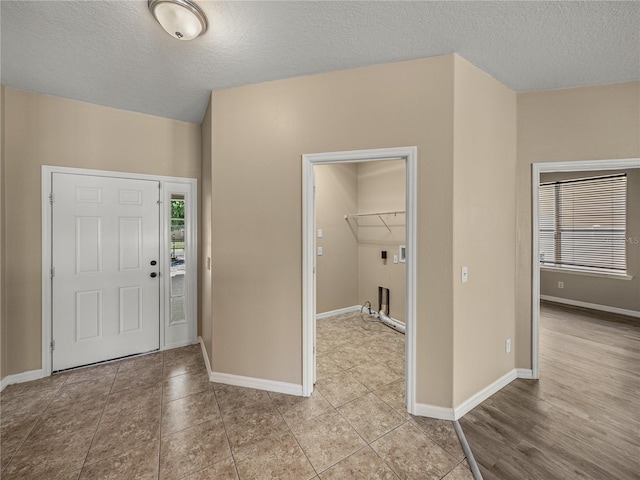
190,249
537,169
309,161
188,189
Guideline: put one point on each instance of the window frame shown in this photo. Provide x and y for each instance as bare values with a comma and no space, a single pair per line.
555,199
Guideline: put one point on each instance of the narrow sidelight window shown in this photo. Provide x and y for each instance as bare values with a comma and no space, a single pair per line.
177,301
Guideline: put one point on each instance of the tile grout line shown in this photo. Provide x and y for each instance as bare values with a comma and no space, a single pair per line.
161,412
98,424
226,434
367,444
294,436
211,386
31,429
405,421
409,421
436,441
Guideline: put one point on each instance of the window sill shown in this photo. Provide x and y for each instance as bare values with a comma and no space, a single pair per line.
588,273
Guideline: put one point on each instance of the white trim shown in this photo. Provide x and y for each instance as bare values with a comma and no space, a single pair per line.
536,170
588,273
184,343
248,382
593,306
46,354
524,373
411,251
257,383
434,411
410,154
46,174
188,188
339,311
206,358
20,378
473,465
479,397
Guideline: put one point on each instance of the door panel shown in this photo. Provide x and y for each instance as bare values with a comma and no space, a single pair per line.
88,315
105,236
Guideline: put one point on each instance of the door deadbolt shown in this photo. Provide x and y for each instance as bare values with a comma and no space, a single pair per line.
153,262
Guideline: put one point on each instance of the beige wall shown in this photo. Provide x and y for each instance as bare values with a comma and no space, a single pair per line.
337,268
382,188
42,130
610,291
483,229
259,134
204,293
583,123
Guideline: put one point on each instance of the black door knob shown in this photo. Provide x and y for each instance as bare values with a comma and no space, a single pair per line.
154,274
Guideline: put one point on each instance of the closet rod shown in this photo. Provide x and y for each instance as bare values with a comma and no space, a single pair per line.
377,214
374,214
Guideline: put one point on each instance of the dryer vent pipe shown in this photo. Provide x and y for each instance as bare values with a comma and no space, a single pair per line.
383,311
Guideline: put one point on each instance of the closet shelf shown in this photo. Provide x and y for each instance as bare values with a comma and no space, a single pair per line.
375,214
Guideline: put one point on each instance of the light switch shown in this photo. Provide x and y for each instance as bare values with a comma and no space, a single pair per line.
465,275
319,233
395,259
319,251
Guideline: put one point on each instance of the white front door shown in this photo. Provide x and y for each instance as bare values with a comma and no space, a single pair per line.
106,253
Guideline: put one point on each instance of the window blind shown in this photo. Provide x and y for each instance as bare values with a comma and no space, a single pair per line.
582,223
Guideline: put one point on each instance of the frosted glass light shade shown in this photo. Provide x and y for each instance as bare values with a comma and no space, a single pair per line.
182,19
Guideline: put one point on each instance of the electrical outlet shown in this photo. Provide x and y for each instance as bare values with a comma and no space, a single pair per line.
507,346
320,233
560,284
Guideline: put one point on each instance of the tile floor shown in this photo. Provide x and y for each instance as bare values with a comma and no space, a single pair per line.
158,417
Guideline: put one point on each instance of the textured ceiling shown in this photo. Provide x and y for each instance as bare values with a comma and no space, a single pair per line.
115,54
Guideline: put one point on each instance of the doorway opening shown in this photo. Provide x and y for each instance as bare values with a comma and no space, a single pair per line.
408,155
540,171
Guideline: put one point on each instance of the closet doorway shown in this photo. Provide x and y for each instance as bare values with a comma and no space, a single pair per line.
359,228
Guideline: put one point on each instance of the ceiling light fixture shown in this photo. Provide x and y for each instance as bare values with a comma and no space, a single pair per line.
182,19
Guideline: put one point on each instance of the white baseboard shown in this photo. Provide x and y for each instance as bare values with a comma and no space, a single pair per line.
206,358
443,413
483,394
20,378
340,311
524,373
249,382
593,306
257,383
433,411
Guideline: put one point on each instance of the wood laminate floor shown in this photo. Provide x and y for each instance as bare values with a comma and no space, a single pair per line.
581,419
